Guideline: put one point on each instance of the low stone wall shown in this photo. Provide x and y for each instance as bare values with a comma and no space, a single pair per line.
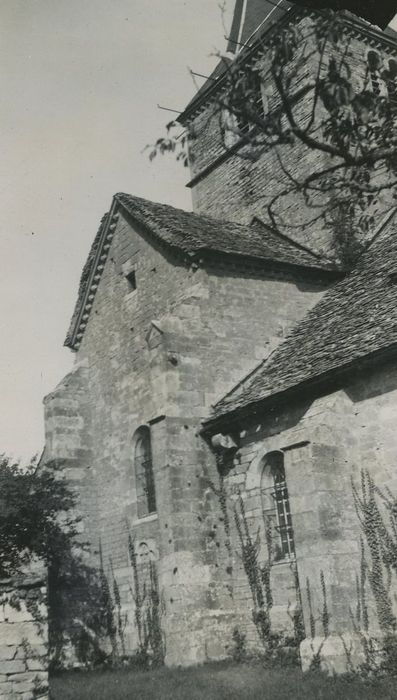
23,639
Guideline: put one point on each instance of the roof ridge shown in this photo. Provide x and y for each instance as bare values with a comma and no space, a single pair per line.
224,222
244,227
186,232
195,214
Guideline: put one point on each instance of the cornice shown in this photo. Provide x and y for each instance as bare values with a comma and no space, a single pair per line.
83,314
320,385
356,28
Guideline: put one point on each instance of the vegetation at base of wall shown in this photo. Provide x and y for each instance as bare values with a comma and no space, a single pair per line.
276,645
78,616
377,515
39,525
239,648
101,642
223,681
381,545
148,610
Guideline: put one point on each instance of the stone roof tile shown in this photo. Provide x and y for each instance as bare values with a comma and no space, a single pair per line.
355,318
190,234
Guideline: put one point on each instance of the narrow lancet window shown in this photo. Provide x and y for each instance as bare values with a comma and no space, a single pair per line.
276,507
145,489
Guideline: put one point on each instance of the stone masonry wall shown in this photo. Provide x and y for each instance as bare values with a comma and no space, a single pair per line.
326,442
23,639
239,187
160,355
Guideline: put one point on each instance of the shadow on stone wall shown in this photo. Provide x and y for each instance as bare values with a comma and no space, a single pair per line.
24,637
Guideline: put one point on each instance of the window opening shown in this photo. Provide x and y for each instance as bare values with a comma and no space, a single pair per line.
255,103
374,64
131,279
146,495
276,506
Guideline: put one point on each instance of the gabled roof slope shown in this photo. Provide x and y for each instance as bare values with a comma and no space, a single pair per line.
355,318
194,233
260,14
190,234
85,279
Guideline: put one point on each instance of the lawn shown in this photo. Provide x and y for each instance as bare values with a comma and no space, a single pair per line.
216,682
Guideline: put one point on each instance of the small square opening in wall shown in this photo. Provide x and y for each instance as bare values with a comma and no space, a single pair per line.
131,279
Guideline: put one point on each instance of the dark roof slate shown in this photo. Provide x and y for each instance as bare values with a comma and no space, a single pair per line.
190,234
260,14
355,318
193,233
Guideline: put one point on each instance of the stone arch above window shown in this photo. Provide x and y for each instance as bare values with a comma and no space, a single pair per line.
146,552
275,506
144,477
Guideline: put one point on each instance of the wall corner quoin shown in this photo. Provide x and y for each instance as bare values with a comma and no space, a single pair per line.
67,418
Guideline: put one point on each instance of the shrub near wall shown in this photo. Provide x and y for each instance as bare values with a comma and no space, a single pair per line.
23,638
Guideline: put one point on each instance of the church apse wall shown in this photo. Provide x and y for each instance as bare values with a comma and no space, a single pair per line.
165,339
178,315
295,470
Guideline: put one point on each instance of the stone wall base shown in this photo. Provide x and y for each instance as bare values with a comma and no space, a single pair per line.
199,638
23,638
337,654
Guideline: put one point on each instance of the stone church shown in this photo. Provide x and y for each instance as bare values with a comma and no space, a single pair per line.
229,383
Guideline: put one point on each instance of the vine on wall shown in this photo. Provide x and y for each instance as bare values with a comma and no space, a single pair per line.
148,610
259,581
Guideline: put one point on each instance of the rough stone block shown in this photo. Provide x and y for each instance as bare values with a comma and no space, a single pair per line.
12,666
7,652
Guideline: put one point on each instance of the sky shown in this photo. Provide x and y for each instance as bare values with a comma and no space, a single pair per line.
81,80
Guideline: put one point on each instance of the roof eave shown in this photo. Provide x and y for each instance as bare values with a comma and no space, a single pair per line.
84,304
320,384
354,22
332,271
244,55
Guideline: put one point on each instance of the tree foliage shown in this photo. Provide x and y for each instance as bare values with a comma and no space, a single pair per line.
300,89
36,516
39,522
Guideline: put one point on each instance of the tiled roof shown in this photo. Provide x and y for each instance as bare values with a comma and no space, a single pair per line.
190,234
355,318
194,233
260,14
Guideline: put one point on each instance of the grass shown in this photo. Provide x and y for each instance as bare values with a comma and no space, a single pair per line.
226,681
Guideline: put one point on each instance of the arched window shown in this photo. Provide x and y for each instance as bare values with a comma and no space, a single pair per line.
276,508
146,496
374,65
